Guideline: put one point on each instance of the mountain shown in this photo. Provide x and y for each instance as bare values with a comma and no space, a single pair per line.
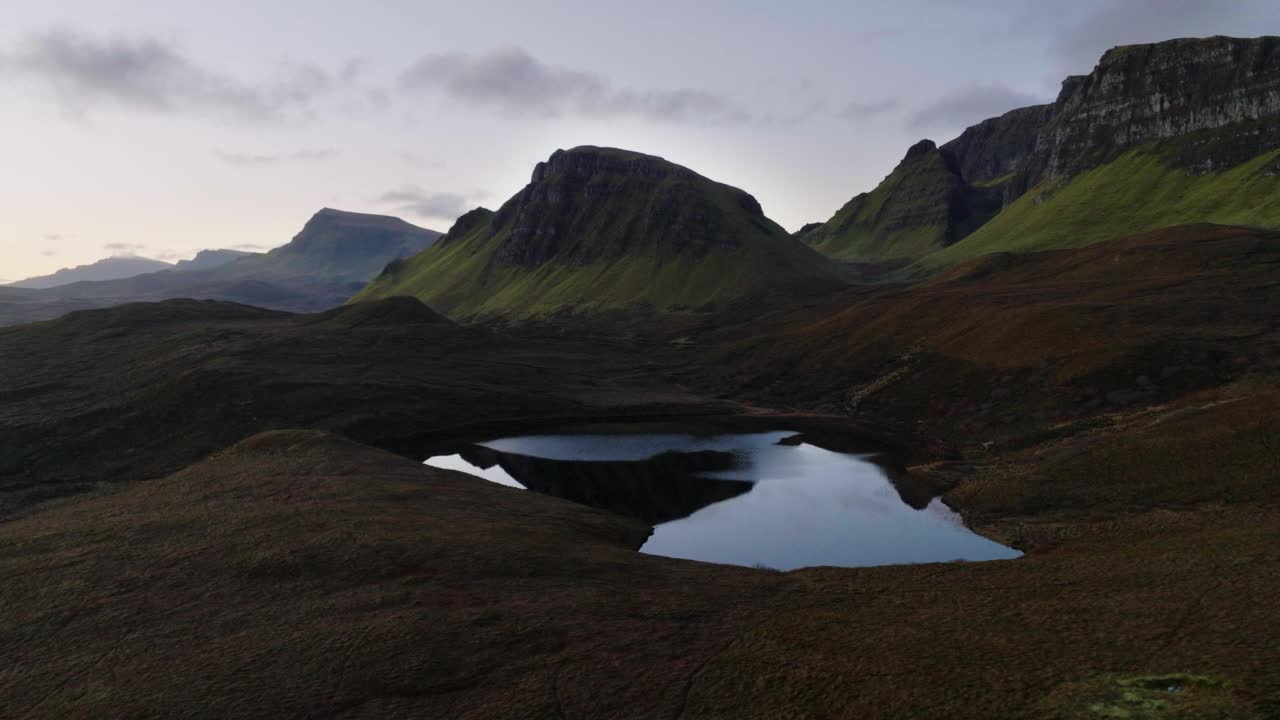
922,206
1177,132
112,268
338,244
209,259
331,259
1158,135
600,229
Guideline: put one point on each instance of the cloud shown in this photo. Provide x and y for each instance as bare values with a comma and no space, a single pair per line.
54,237
352,70
1128,22
260,160
419,161
856,111
250,247
119,248
49,253
84,72
514,81
966,107
413,199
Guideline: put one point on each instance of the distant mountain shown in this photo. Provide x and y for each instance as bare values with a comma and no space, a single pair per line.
112,268
210,259
1177,132
345,245
331,259
601,229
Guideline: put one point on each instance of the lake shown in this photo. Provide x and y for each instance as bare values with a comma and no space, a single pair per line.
764,499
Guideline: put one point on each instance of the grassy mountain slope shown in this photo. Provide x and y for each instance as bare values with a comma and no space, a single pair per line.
922,206
603,229
1139,191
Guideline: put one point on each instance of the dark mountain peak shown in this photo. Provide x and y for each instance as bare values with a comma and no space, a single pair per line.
922,206
591,202
993,149
592,161
327,217
921,149
469,221
603,228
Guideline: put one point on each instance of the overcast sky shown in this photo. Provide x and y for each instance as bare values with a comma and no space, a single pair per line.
161,127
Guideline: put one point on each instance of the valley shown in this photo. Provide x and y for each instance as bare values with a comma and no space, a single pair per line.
1000,439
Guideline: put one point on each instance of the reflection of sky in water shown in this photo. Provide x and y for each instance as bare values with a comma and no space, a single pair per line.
809,506
493,474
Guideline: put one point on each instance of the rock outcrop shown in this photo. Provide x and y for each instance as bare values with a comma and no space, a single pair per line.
996,148
1176,89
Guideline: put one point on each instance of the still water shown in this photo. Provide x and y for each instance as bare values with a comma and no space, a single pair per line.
760,499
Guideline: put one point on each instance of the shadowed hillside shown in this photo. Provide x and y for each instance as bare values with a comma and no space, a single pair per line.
141,390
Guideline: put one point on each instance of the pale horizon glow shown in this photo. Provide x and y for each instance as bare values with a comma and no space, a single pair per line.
160,128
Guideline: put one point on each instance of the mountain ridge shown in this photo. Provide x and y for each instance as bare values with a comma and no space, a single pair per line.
116,267
331,259
1189,107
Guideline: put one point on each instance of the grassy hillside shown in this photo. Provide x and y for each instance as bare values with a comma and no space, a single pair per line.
924,205
1139,191
603,229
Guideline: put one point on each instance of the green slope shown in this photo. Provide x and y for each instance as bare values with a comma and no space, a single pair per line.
602,229
1140,190
922,206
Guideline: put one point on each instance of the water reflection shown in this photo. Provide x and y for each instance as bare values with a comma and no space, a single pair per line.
768,499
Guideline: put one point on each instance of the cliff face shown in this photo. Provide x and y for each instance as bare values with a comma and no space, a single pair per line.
1191,88
589,203
996,148
1194,106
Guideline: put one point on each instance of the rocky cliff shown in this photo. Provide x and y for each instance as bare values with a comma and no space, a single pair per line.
1189,108
994,149
590,203
1188,88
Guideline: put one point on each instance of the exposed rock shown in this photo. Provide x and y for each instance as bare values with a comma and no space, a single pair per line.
1172,89
994,149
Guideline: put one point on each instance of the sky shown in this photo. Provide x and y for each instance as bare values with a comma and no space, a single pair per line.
163,127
